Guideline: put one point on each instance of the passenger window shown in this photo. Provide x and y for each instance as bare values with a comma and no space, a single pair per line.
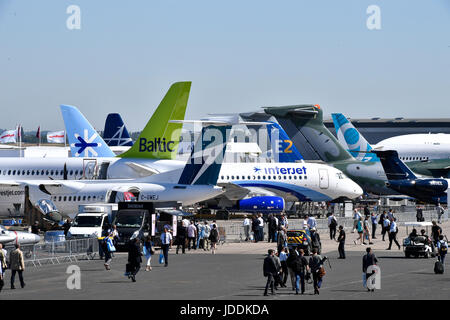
70,198
59,198
9,172
65,198
84,198
14,172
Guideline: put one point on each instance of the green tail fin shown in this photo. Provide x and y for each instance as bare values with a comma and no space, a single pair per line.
160,139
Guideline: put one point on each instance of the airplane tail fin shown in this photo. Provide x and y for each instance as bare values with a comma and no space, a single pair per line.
206,158
282,146
160,138
394,168
83,139
304,124
116,134
352,139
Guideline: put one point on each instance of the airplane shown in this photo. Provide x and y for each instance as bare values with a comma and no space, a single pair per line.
192,183
420,151
304,124
403,180
267,187
86,144
8,237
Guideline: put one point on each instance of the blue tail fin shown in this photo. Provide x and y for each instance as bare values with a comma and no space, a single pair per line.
206,158
394,168
116,134
83,139
282,147
351,139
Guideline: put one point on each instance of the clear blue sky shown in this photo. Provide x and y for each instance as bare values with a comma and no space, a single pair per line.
240,55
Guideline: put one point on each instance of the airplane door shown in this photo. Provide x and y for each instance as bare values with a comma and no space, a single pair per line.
323,179
89,169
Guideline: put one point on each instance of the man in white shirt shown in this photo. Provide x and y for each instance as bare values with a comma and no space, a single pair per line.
192,235
166,243
246,225
332,224
311,222
393,234
261,227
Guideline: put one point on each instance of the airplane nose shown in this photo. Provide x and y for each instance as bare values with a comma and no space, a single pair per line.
356,191
37,238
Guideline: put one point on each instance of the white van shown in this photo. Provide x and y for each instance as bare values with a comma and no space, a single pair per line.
92,220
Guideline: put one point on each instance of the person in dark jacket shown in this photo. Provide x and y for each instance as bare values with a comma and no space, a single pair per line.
134,258
341,240
270,271
290,260
315,240
369,259
181,238
299,266
255,228
316,265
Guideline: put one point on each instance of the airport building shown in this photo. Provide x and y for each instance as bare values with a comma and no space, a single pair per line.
377,129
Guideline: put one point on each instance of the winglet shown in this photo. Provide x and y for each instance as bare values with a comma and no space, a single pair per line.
160,138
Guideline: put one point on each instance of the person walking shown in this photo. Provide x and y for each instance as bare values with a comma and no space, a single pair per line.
300,266
207,230
315,240
192,235
3,266
317,270
436,231
271,226
166,243
134,258
341,240
386,225
439,211
246,226
290,264
332,224
201,236
17,265
360,229
356,217
181,238
214,238
367,229
368,260
107,248
393,230
442,249
269,271
310,221
148,252
373,219
281,239
284,267
277,277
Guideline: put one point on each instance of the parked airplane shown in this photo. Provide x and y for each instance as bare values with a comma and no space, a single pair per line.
8,237
86,144
425,154
304,124
266,187
195,182
403,180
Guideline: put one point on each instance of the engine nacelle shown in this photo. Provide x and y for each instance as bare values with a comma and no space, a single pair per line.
267,204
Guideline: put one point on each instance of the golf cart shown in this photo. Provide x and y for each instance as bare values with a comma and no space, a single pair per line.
419,245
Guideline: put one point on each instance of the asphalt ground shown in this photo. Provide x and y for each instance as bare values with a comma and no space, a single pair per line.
227,276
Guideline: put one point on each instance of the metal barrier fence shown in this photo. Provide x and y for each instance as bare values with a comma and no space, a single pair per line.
60,252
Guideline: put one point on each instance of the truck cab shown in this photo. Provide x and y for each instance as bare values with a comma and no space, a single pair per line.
92,220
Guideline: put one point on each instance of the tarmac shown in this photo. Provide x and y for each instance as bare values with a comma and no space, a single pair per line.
235,273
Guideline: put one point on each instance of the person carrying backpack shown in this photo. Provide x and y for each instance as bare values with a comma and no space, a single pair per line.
442,247
214,237
317,269
300,265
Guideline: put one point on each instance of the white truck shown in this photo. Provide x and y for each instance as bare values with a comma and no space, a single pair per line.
92,220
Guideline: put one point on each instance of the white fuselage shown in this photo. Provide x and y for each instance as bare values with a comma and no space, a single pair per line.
292,181
414,147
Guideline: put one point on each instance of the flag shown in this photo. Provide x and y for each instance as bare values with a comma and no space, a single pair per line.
8,136
56,137
38,133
